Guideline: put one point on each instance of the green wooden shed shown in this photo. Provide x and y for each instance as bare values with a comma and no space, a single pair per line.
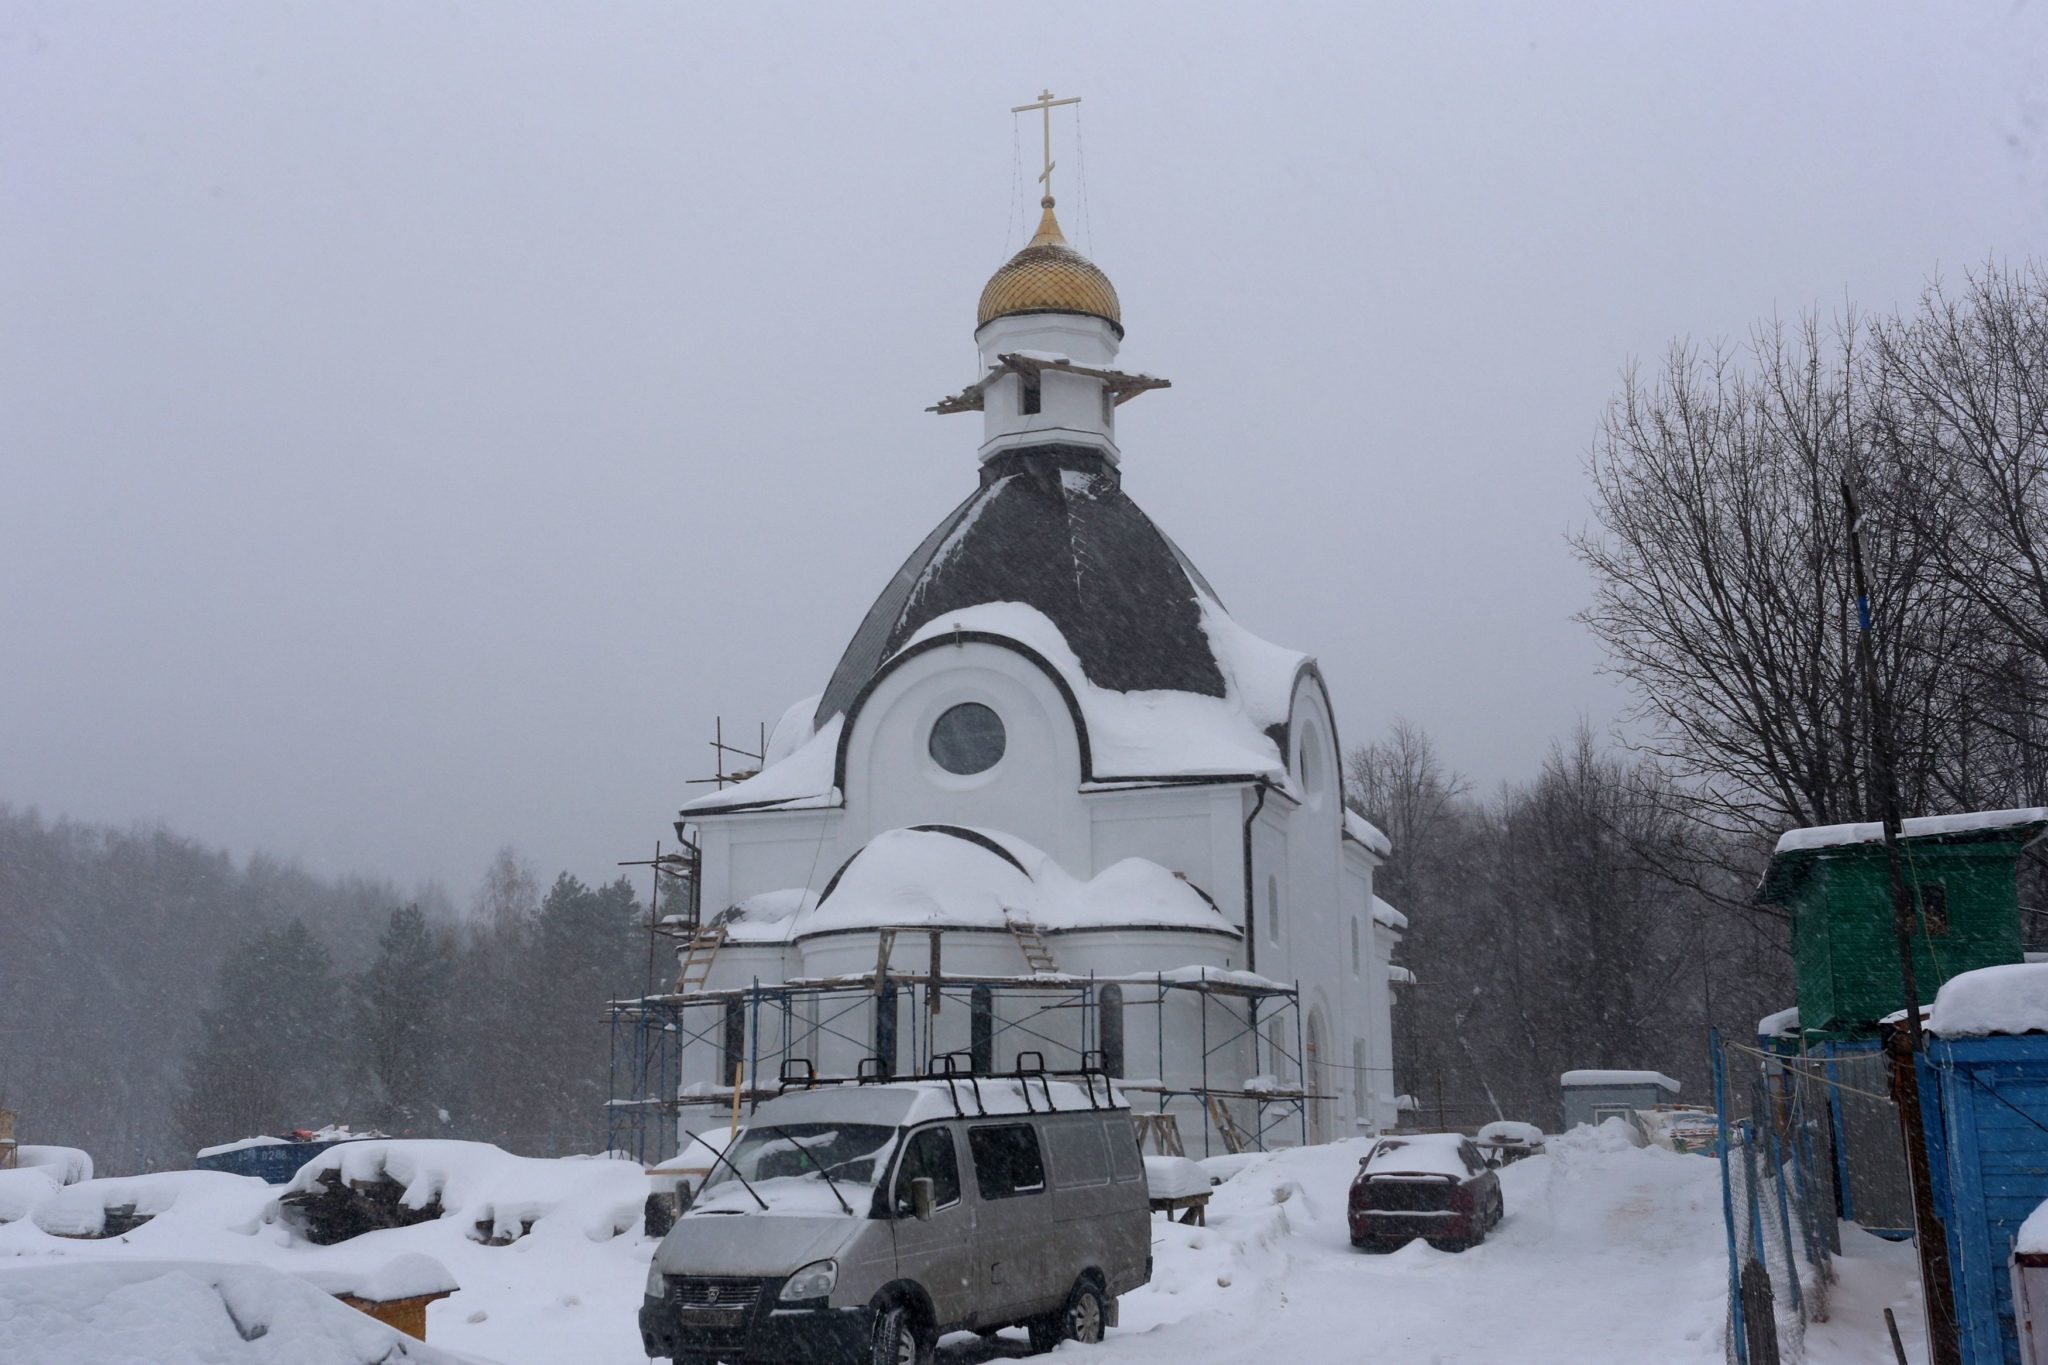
1833,882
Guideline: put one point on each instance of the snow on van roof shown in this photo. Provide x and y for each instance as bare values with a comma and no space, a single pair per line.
918,1101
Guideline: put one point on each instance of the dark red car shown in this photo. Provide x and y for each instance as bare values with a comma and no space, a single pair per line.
1431,1185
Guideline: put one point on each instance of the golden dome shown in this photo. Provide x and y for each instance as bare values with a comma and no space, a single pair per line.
1048,276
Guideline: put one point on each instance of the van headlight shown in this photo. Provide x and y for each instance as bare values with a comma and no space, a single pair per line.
656,1287
814,1281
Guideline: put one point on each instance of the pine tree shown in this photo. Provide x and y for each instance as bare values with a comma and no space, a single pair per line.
400,1035
269,1048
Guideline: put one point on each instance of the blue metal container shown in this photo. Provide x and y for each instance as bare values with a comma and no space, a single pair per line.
275,1162
1985,1103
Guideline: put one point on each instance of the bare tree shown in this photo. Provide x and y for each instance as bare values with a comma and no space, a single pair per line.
1722,594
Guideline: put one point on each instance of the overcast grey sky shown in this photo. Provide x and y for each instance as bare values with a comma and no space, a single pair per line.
418,421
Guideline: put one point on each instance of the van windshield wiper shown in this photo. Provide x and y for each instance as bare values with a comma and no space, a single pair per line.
721,1156
821,1170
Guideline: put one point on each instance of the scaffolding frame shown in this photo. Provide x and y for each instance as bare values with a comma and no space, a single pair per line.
651,1036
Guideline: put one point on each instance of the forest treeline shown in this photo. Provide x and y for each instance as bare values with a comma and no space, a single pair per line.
1599,915
158,996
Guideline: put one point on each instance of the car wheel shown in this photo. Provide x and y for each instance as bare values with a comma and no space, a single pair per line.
899,1339
1083,1319
1451,1244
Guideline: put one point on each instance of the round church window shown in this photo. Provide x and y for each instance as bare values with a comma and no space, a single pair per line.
968,739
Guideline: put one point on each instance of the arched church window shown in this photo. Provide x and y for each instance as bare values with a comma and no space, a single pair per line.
1028,394
1358,1077
1109,1009
968,739
981,1029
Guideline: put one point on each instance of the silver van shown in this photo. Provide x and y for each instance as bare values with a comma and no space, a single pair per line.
858,1221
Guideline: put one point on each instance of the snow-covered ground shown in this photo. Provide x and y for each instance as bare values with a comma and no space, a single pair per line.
1609,1251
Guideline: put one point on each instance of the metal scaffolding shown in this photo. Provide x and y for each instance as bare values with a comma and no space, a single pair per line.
653,1035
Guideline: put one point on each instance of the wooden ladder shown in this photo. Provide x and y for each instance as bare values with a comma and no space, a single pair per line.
1036,955
696,954
1233,1136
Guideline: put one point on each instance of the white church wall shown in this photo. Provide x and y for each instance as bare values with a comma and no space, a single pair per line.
748,853
892,779
1190,830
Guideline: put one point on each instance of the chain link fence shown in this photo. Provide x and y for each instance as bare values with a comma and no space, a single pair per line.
1779,1199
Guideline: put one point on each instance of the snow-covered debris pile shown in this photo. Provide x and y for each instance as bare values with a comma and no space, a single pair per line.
2008,999
120,1205
21,1191
187,1313
1174,1177
361,1186
68,1164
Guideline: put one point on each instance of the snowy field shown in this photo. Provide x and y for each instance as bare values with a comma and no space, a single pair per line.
1609,1252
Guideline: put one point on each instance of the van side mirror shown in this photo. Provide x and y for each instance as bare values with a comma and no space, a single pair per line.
923,1197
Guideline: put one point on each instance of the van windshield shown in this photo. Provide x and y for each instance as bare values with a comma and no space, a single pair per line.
784,1167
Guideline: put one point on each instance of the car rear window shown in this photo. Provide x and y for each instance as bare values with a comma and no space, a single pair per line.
1006,1160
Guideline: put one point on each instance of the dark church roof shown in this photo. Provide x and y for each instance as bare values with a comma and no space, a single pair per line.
1050,527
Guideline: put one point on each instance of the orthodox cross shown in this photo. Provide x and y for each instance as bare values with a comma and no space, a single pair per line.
1045,103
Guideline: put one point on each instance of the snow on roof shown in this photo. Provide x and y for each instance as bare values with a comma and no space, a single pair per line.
1383,913
2033,1235
955,877
1163,732
1656,1078
1783,1024
2012,998
1400,975
767,917
1367,833
1919,827
800,780
791,732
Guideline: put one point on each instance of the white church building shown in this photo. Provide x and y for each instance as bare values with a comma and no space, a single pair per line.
1050,743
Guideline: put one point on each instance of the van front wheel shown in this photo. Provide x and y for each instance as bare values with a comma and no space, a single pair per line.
899,1339
1081,1320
